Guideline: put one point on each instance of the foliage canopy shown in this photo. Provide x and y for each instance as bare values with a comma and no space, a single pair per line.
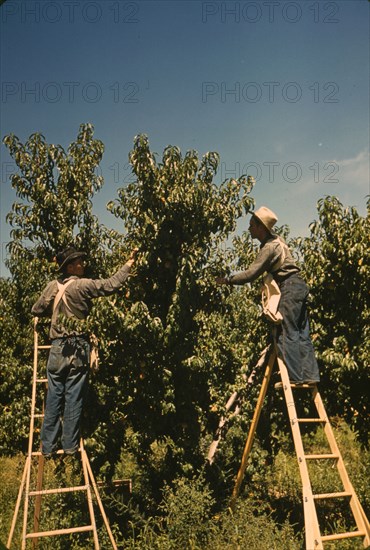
173,345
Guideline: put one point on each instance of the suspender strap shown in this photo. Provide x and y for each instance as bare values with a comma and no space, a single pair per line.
60,296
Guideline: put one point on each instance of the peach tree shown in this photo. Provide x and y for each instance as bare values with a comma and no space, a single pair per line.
54,189
336,267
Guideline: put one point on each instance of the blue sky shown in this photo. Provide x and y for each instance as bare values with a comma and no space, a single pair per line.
279,89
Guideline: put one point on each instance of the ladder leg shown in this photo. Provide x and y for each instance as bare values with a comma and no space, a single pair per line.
102,511
18,503
30,440
85,461
252,429
26,502
36,515
312,529
357,510
233,399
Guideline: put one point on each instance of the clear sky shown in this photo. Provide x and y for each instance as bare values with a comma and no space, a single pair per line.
279,89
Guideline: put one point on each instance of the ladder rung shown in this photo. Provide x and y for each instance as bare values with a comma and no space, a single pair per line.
59,490
339,536
38,416
60,532
115,484
343,494
323,456
41,379
294,385
39,453
308,420
43,347
304,386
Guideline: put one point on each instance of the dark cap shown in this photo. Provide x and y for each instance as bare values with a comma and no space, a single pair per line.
67,256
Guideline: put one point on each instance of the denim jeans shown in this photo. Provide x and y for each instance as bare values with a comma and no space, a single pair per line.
67,373
294,343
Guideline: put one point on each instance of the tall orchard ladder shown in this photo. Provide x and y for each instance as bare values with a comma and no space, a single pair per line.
26,491
313,537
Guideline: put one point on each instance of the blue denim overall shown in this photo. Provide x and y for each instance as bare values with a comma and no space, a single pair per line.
293,341
67,373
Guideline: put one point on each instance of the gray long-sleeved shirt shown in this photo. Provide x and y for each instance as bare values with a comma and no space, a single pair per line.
79,296
268,257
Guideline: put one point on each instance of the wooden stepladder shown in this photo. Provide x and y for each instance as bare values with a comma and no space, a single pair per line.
32,491
313,538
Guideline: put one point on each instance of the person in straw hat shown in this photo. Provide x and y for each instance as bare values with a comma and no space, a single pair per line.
70,296
293,338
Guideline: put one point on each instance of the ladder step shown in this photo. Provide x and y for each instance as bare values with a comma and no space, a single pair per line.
38,415
294,385
59,452
43,347
339,536
309,420
60,532
39,453
322,456
304,386
41,380
343,494
59,490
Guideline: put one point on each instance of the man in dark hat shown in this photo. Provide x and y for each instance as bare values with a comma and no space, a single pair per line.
71,297
293,339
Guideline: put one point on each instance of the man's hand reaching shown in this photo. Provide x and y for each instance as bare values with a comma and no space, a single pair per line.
132,257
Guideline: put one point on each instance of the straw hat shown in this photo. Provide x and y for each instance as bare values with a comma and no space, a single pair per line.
266,216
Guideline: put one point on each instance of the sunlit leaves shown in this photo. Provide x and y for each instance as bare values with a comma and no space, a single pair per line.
173,345
337,268
56,188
